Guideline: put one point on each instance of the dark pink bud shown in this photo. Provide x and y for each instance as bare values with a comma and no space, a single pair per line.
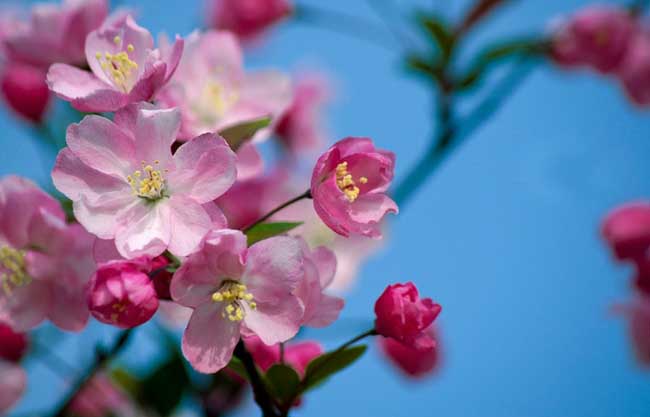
161,278
627,230
404,316
12,345
297,355
247,18
412,362
122,294
635,71
24,89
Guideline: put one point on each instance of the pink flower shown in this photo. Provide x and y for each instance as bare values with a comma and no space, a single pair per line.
13,381
627,230
125,68
136,191
321,309
56,33
44,263
247,18
349,185
238,290
13,345
297,355
214,92
405,317
121,293
412,362
24,89
597,37
635,71
100,397
638,315
299,129
642,275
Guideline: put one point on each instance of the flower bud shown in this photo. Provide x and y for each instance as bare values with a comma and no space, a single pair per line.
412,362
627,230
25,91
247,18
13,345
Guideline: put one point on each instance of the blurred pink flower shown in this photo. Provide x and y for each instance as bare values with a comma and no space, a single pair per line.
627,230
100,397
13,381
125,68
637,313
238,290
214,92
412,362
598,37
13,345
642,275
402,315
24,89
45,263
635,71
136,191
349,186
247,18
300,129
122,294
297,355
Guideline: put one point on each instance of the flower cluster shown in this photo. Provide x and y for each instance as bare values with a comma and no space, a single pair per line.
612,41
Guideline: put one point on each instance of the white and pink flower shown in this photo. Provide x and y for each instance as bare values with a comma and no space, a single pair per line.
126,184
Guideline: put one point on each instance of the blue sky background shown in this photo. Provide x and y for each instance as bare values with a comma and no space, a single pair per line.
505,236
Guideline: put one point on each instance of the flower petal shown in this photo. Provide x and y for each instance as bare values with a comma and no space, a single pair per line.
83,90
13,381
145,230
189,224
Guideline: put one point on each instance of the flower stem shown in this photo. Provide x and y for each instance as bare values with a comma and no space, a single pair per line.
262,397
102,358
306,194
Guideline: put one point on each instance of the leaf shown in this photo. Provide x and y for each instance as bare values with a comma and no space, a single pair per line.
440,32
283,382
330,363
238,134
237,367
164,388
266,230
126,381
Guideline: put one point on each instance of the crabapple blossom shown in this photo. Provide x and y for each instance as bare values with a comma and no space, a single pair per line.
23,88
126,184
125,68
214,92
402,315
237,290
349,184
627,230
635,69
414,363
13,345
44,262
637,313
247,18
297,355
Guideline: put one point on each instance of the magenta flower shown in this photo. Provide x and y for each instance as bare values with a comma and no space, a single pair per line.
597,37
412,362
126,184
637,313
297,355
321,309
299,128
627,230
349,186
642,275
405,317
100,397
56,33
237,290
24,89
44,263
121,293
214,92
247,18
125,68
635,71
13,345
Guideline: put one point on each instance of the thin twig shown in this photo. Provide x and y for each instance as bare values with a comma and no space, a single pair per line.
262,397
306,194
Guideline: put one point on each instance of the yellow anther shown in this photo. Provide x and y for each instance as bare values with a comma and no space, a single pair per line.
130,48
148,183
346,183
363,180
119,67
13,269
235,295
117,40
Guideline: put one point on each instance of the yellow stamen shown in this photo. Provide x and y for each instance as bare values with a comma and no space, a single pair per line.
214,101
148,183
235,295
13,270
117,40
346,183
119,67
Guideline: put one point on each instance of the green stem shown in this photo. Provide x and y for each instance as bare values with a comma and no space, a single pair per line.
262,397
306,194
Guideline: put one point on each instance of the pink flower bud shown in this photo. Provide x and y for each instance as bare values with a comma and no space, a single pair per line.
122,294
13,345
296,355
25,91
637,313
412,362
349,186
597,37
635,71
404,316
627,230
247,18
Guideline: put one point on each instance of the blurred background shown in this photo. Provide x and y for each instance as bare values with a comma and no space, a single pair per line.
505,235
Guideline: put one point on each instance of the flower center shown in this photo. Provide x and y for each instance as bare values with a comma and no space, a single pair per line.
13,270
346,183
119,67
148,183
214,101
233,295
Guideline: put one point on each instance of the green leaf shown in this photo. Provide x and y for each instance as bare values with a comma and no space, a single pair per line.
238,134
266,230
330,363
283,382
126,381
237,367
164,388
440,32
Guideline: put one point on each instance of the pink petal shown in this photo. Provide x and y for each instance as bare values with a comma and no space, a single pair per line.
209,340
13,381
156,131
273,267
69,309
145,230
152,78
274,323
325,261
205,168
83,90
189,223
249,162
194,282
368,210
326,312
27,306
173,57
